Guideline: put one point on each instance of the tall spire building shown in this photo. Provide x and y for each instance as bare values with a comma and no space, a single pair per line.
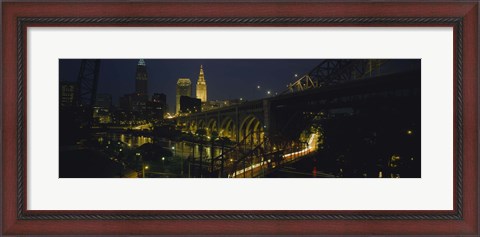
141,79
201,86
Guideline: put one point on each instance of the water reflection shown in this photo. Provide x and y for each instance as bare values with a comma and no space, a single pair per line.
187,149
130,140
179,149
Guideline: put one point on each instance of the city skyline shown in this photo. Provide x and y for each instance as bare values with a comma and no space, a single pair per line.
340,118
117,76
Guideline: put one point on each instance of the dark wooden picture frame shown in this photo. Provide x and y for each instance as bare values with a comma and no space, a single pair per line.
18,16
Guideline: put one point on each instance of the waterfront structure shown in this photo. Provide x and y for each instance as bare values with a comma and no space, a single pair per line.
201,86
184,88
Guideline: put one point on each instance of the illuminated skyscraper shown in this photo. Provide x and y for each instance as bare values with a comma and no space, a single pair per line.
201,86
184,88
141,79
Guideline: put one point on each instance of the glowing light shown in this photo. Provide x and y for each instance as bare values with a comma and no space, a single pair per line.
268,92
409,132
163,158
311,144
258,87
146,167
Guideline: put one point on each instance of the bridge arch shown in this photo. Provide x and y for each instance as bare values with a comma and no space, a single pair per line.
211,126
192,126
252,127
201,124
228,128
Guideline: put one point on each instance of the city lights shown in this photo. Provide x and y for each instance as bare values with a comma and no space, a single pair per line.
331,120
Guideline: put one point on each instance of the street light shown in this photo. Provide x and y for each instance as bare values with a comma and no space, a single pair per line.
144,167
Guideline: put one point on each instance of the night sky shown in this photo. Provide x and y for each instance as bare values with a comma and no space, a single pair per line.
226,78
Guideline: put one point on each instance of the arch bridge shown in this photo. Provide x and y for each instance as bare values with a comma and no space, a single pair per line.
233,122
286,115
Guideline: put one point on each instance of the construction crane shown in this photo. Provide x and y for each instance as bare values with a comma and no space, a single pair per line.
86,89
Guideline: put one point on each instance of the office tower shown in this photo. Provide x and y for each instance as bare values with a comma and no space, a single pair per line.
201,86
141,79
184,88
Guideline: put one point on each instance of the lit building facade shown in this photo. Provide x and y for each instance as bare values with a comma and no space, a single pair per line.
137,101
141,80
201,86
102,109
184,88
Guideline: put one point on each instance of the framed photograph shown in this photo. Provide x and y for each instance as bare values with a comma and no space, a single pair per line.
311,118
